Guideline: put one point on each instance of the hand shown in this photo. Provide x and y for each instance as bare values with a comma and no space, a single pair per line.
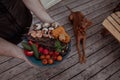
11,50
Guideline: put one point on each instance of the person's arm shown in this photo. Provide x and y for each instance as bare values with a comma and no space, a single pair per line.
11,50
36,7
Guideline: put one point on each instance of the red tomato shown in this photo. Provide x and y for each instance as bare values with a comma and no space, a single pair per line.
29,53
40,50
56,53
54,57
45,51
51,53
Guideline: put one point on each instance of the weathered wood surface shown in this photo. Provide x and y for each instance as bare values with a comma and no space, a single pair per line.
102,52
111,23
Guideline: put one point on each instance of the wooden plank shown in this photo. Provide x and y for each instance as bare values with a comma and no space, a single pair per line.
118,14
116,76
61,4
14,71
94,69
116,17
114,23
102,75
63,8
91,15
4,59
26,75
49,3
9,64
102,10
87,9
80,8
111,29
79,68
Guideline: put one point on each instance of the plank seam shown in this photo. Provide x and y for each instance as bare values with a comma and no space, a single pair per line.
104,68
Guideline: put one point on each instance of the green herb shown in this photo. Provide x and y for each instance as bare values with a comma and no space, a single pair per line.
58,46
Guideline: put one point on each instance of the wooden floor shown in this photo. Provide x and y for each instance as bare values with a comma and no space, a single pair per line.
103,53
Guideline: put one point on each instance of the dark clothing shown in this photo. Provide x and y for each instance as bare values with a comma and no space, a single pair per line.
14,18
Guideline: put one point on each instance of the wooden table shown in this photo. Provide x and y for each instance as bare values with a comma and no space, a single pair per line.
112,24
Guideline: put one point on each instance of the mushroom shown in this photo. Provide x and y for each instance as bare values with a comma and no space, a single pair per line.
45,30
55,24
46,25
39,26
39,34
49,34
51,28
32,33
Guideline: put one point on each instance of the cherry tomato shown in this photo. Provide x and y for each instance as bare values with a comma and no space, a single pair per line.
42,57
40,50
59,58
29,53
44,61
50,61
56,53
51,53
45,51
54,57
47,56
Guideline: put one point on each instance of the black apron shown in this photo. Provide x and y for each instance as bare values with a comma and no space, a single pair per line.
14,18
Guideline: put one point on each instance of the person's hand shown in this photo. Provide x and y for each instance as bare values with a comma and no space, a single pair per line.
23,57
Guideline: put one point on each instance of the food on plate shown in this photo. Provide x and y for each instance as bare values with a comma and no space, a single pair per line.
26,46
44,61
35,50
59,33
29,53
59,58
47,43
42,57
47,56
50,61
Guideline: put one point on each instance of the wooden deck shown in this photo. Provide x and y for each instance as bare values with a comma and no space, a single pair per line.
103,53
